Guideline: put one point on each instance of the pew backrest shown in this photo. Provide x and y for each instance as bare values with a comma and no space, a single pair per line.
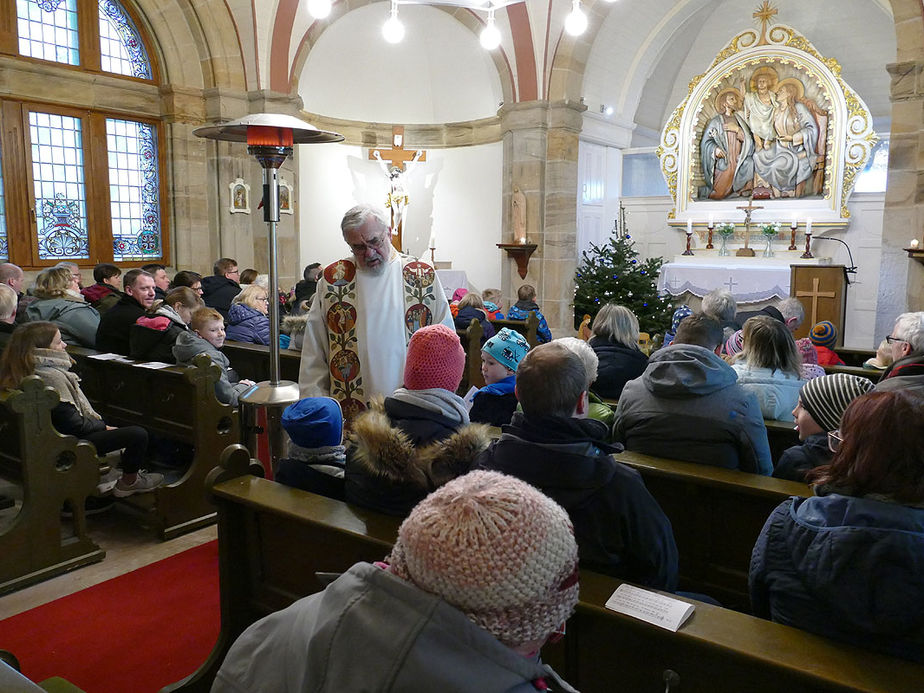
528,328
471,343
251,361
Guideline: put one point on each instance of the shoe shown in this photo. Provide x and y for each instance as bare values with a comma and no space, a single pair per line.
144,483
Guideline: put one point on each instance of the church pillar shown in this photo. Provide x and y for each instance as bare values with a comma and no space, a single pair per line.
540,157
901,285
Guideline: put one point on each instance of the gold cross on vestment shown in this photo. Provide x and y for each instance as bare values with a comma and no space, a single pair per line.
398,155
764,13
815,294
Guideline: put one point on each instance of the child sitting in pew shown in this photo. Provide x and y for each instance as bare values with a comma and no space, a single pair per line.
207,337
495,403
316,456
36,348
824,337
153,335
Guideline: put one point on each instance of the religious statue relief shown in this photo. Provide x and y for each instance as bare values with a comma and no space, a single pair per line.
518,202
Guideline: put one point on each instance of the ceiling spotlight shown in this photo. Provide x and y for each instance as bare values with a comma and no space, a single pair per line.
576,21
393,29
490,35
319,9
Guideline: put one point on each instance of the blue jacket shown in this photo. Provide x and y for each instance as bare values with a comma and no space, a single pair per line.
521,310
246,324
465,316
847,568
494,404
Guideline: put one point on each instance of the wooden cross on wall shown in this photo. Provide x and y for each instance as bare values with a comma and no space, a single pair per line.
815,294
398,157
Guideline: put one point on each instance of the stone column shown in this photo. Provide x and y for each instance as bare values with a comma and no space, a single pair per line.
901,282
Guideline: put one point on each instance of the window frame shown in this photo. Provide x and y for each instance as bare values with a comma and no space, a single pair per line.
19,189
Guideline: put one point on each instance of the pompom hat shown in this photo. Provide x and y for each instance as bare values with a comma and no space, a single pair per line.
314,422
826,398
498,550
824,334
435,358
507,347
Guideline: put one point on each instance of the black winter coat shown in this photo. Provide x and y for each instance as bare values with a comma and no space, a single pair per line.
115,325
618,365
217,292
799,459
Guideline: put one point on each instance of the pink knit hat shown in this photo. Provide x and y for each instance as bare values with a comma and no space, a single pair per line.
435,358
498,550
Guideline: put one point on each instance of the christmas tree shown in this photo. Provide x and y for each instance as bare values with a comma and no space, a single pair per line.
612,273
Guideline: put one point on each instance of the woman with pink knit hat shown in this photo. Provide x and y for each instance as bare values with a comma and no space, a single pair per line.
483,573
420,436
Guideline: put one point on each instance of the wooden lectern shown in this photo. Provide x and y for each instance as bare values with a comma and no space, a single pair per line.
822,289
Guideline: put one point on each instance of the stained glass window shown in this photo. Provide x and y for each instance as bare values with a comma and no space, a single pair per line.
48,30
4,246
60,196
133,190
121,48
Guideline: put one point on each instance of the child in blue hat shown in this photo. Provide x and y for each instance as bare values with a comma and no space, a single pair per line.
316,453
495,403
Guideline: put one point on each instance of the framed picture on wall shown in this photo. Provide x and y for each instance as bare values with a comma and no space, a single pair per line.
240,197
286,203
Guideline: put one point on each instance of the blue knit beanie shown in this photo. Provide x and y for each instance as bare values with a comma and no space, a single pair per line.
314,422
824,334
507,347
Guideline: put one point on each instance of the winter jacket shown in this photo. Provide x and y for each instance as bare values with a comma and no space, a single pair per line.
494,404
369,630
389,473
618,364
294,327
153,335
620,529
846,568
217,292
777,392
227,389
688,406
319,470
101,296
6,331
827,357
115,326
75,318
246,324
73,415
304,290
521,310
906,373
465,316
797,460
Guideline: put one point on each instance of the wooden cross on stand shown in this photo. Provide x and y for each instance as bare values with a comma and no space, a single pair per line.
747,251
399,158
815,295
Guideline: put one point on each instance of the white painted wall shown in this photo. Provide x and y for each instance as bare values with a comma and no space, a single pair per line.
456,194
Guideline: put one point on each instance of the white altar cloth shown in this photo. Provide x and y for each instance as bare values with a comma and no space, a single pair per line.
451,280
748,281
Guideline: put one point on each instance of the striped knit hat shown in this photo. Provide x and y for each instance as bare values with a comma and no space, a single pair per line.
824,334
826,398
498,550
734,343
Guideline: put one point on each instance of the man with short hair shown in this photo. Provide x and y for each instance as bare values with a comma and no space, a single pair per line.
620,529
161,280
8,299
105,293
219,289
366,309
687,405
115,325
907,344
13,276
308,285
74,269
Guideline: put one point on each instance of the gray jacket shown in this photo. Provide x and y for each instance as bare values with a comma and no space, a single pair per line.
76,319
687,405
372,631
227,389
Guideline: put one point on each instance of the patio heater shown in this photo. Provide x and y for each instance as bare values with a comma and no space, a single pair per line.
270,138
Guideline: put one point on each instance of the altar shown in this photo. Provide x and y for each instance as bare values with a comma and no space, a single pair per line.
451,280
749,279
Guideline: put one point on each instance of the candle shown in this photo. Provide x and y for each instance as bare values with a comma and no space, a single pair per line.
794,223
711,221
808,226
432,239
914,243
689,226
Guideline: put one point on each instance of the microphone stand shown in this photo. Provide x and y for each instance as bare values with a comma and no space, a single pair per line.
847,270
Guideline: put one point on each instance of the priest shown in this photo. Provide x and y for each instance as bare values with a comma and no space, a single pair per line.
365,310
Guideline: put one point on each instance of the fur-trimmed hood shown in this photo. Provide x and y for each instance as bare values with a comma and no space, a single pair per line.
383,451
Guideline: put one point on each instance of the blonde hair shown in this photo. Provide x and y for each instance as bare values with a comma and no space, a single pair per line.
203,316
249,296
473,299
184,296
8,301
616,323
52,282
768,343
492,295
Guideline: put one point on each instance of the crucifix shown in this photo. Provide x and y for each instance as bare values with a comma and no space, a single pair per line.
764,14
747,251
401,160
815,294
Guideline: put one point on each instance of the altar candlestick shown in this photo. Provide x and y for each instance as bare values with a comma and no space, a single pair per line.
808,226
689,226
792,240
808,240
689,237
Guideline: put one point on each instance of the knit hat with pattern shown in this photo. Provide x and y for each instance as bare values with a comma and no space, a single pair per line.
734,343
435,358
826,398
496,549
507,347
824,334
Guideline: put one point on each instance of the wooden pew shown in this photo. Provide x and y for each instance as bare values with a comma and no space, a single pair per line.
252,361
178,403
717,515
780,435
52,469
471,342
854,357
528,328
869,373
272,540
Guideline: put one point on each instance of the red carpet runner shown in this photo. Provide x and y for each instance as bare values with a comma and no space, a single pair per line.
137,632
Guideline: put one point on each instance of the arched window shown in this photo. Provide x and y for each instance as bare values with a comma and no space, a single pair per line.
79,184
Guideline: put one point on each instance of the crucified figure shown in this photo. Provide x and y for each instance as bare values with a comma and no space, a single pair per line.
398,198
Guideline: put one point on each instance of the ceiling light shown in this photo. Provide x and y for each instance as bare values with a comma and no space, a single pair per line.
393,29
319,9
576,21
490,35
